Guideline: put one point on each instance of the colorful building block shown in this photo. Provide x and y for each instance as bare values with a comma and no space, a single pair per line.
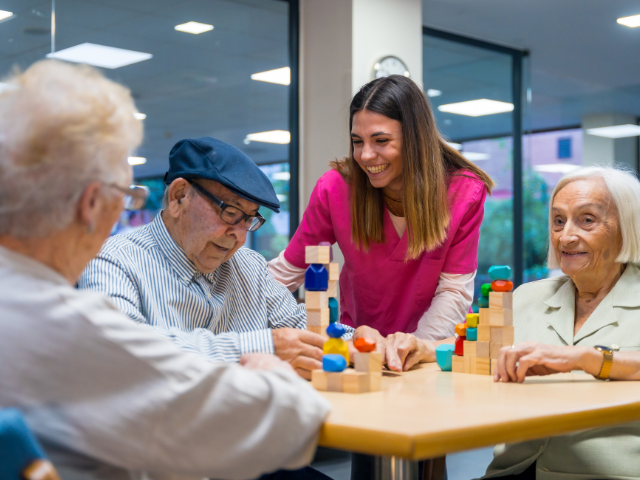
500,317
444,353
472,334
333,363
483,302
336,330
327,381
334,315
318,317
365,345
317,254
502,285
336,346
316,278
367,362
461,329
485,289
327,244
469,348
316,300
459,350
457,364
503,300
472,320
500,272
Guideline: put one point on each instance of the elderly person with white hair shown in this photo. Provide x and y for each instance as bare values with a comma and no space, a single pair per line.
588,319
109,398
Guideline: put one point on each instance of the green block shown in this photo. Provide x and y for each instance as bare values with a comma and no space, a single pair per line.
485,289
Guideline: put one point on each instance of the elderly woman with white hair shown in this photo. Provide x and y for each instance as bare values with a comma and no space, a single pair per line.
588,319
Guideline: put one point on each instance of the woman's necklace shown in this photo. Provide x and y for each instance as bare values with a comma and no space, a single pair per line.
392,209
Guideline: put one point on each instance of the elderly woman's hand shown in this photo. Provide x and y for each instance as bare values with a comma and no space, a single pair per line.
373,334
405,350
530,358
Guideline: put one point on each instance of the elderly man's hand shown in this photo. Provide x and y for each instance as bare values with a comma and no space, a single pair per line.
404,350
263,361
301,348
530,358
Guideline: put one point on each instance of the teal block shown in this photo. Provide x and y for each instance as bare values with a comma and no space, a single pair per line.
485,289
474,308
483,302
472,334
500,272
444,354
333,310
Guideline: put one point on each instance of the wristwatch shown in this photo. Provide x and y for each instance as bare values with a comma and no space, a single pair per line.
607,361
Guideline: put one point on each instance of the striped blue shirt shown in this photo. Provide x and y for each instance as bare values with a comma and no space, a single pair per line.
219,315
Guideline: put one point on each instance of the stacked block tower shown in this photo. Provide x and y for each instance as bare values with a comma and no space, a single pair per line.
481,337
321,286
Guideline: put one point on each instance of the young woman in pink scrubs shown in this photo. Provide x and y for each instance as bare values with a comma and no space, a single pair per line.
405,210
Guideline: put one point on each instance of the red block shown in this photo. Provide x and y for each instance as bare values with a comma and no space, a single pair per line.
459,350
502,285
364,345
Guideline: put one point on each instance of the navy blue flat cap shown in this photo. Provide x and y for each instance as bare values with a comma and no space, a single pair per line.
215,160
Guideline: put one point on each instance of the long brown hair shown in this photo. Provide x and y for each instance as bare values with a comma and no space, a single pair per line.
427,163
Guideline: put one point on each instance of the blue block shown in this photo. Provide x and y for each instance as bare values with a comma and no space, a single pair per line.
336,330
500,272
18,446
444,353
472,334
334,363
316,279
333,310
483,302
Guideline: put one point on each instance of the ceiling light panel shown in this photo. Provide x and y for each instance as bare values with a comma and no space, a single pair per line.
139,116
281,137
475,156
100,55
432,92
281,76
616,131
136,160
194,27
633,21
4,14
477,108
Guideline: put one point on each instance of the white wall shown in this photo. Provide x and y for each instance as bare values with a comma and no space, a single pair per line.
609,151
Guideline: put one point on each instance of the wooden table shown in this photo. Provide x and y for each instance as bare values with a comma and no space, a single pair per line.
427,413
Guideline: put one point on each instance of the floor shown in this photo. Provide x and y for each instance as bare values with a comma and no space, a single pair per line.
460,466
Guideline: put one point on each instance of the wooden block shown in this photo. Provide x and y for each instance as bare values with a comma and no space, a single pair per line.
334,271
483,366
318,318
483,316
483,349
332,291
501,300
500,318
494,366
503,335
368,362
457,364
316,300
469,348
469,364
318,330
484,333
361,382
326,381
317,254
495,350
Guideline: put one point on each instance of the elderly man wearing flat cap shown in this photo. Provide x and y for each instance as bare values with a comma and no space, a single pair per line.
186,275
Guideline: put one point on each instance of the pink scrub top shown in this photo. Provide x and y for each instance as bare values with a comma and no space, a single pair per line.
379,288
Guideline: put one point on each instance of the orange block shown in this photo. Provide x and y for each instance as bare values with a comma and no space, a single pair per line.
502,285
364,345
461,329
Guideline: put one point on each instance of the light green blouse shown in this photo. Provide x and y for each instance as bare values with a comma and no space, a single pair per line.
544,312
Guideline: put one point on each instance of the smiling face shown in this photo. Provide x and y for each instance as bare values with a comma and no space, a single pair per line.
194,223
585,228
377,148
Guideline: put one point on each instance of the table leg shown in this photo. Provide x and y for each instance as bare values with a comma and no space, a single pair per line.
395,468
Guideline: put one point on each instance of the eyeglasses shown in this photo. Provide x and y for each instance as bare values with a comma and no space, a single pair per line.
135,197
229,214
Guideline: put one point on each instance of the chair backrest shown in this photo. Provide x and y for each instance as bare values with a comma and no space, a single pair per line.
21,456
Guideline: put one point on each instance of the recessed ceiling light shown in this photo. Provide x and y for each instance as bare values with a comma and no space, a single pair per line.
4,14
632,21
140,116
136,160
100,55
475,156
279,75
556,168
616,131
432,92
477,108
194,27
274,136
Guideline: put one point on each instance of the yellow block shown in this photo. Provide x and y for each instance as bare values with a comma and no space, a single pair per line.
473,320
337,346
